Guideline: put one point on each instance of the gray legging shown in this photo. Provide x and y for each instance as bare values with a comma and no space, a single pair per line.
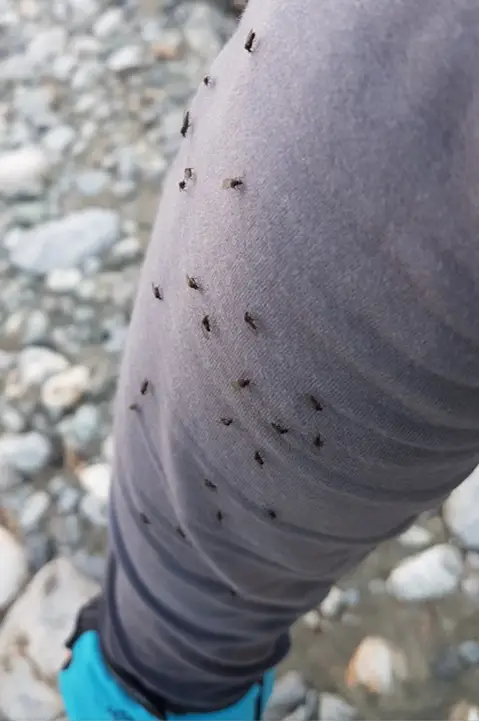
301,377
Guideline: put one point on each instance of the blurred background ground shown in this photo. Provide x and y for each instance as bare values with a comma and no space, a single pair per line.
91,100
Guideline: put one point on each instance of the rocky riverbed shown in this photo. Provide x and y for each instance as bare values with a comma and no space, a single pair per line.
91,98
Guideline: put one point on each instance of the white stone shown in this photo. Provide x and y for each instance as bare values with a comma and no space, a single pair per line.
334,708
32,639
312,620
94,509
13,568
127,58
25,452
416,537
461,510
428,575
64,390
108,23
46,44
96,479
23,171
59,139
34,510
63,280
36,364
377,665
65,243
332,603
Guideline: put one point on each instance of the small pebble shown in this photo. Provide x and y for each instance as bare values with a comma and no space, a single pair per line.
377,665
34,510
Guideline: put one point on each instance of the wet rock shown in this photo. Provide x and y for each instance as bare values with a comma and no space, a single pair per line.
432,574
377,665
96,479
334,708
289,692
67,242
32,640
64,390
461,511
25,452
22,172
13,568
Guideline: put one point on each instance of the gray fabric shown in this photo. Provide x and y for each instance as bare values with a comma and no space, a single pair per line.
353,243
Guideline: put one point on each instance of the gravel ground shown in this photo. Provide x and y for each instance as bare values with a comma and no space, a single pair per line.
91,98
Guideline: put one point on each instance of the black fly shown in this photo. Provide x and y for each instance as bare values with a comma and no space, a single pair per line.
206,323
279,428
315,403
157,291
144,386
219,516
192,283
181,533
248,318
144,519
207,80
187,175
318,441
186,124
229,183
259,458
210,485
271,514
248,46
226,421
241,383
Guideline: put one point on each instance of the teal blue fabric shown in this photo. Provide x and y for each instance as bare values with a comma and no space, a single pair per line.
90,692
